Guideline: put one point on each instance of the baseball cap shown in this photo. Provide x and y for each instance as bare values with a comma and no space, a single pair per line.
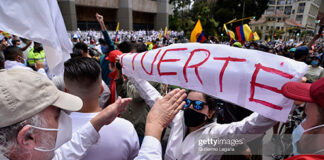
25,93
305,92
292,50
113,55
75,36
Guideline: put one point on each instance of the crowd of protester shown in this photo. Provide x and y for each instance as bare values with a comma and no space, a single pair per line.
93,111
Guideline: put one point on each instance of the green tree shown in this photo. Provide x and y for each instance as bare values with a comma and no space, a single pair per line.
213,14
201,10
226,10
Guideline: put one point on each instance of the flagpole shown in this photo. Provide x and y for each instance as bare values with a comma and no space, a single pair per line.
243,10
274,24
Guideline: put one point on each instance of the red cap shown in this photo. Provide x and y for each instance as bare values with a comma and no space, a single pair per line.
113,55
305,92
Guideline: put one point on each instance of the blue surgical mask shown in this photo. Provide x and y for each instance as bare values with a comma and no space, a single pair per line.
298,133
25,62
314,63
92,46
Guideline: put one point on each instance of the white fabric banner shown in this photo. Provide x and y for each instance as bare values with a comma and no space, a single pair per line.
249,78
40,21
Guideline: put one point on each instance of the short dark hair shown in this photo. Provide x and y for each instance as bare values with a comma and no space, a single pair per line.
125,46
102,41
2,58
12,52
14,42
82,69
140,47
81,46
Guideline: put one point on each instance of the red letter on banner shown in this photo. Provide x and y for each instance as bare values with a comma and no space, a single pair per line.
254,84
168,60
151,72
196,65
226,59
133,60
121,59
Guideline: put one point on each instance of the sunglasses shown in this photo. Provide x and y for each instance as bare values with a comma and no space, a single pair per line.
198,105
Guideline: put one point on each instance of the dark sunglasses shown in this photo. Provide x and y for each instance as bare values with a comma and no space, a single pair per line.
198,105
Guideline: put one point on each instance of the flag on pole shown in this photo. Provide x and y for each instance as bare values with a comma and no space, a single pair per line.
168,33
230,33
197,34
165,31
116,35
41,23
160,35
255,36
244,33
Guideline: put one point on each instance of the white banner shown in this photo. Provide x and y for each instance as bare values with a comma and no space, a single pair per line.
40,21
249,78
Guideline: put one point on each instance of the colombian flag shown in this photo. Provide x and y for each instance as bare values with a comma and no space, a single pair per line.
165,31
244,33
230,33
197,34
117,29
256,36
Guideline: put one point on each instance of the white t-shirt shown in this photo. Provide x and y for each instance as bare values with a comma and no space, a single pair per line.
118,140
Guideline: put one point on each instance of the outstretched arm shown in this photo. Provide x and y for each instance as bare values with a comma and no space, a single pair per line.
107,38
101,22
88,135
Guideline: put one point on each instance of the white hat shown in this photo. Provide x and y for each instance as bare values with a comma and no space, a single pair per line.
75,36
25,93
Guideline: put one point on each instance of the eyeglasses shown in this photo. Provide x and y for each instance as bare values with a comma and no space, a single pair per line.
198,105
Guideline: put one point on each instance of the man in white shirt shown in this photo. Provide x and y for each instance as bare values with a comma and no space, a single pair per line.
34,122
82,77
14,58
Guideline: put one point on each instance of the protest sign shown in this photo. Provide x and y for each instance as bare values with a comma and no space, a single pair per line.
249,78
40,21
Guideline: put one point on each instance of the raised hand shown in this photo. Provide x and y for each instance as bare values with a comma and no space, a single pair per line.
108,115
163,112
99,17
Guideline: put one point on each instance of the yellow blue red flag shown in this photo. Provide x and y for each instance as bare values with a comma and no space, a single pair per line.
230,33
197,34
244,33
256,36
117,29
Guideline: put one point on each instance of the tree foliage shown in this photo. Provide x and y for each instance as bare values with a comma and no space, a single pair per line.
212,14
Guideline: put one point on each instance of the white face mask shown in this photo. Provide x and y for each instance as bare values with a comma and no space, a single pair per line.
64,132
298,133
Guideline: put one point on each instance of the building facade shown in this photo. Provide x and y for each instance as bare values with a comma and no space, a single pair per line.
131,14
302,11
285,15
281,22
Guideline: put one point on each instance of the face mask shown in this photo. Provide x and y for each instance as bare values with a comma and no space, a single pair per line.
193,118
314,63
74,43
64,131
92,46
25,62
298,133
